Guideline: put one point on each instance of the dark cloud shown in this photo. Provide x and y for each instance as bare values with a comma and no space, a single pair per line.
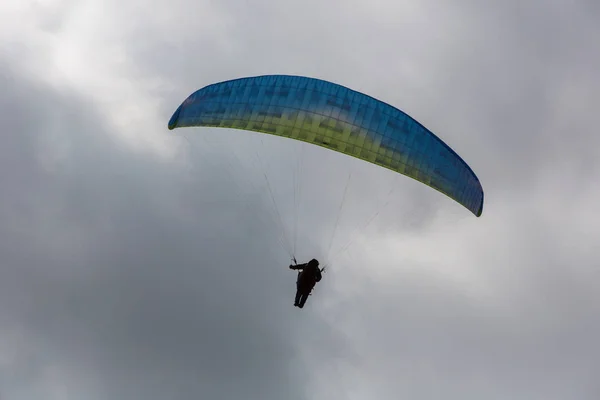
125,274
118,268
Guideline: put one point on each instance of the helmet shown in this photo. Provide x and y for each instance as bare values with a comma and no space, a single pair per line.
313,263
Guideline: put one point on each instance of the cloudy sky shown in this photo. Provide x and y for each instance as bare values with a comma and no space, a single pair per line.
137,262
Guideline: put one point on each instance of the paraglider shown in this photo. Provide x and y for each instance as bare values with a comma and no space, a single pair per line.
335,117
338,118
309,276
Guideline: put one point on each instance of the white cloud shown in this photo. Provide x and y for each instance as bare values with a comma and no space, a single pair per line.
146,277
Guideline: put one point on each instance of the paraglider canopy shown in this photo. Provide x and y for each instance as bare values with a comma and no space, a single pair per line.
338,118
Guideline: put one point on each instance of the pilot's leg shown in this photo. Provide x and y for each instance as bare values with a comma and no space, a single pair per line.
298,295
303,298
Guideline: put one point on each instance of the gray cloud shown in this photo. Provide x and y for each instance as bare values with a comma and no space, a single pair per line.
125,274
115,265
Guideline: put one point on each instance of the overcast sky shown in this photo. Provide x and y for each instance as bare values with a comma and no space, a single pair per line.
138,262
